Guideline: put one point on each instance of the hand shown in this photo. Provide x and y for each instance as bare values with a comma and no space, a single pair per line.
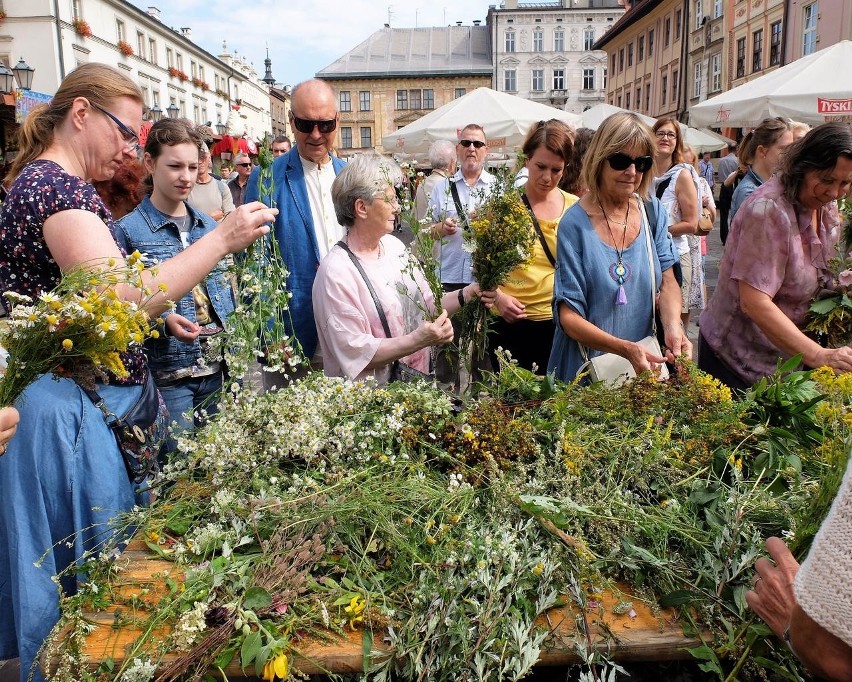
240,228
772,597
181,328
9,418
217,215
838,359
642,360
705,201
435,333
488,298
447,227
677,342
509,307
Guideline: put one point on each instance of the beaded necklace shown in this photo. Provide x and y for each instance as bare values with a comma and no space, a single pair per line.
619,270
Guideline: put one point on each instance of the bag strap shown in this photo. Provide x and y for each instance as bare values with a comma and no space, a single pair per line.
357,263
460,210
651,265
544,245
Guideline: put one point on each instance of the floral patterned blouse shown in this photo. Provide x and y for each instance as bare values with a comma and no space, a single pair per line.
26,266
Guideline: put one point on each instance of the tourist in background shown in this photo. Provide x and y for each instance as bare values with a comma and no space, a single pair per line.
570,181
727,164
210,195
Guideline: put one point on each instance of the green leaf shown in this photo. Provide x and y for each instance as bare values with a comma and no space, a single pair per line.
256,598
367,647
678,598
825,305
250,649
223,660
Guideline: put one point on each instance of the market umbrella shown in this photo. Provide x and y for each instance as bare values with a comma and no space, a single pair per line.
812,89
505,118
700,140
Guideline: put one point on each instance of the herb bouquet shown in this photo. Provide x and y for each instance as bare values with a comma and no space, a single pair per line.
501,239
78,330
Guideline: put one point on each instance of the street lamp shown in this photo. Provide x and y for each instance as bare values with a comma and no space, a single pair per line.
24,73
7,79
172,110
156,113
221,128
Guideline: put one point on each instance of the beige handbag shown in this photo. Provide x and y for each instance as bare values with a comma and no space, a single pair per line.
615,369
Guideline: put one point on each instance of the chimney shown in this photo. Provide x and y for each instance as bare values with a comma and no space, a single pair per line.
477,22
186,31
154,12
458,23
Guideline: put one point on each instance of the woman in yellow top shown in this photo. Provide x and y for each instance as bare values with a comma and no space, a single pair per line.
524,303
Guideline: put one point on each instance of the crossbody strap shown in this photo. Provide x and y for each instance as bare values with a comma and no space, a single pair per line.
650,264
544,245
460,210
357,263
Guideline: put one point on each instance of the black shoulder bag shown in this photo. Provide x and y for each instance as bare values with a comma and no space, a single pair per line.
460,210
399,370
544,245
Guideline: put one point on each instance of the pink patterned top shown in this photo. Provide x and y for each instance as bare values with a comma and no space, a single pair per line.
773,248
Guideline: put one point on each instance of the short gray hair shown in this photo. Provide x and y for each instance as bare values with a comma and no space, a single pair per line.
361,178
442,153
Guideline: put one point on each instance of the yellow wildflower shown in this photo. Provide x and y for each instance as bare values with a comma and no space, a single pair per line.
67,344
277,667
355,610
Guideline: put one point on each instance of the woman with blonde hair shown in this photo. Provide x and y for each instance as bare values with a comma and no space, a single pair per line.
64,476
614,260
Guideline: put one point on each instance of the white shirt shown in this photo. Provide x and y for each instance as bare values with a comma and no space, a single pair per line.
318,181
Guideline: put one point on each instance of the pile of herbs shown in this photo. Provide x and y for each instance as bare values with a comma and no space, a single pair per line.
441,533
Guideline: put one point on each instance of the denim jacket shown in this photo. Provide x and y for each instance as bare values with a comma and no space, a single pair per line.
157,237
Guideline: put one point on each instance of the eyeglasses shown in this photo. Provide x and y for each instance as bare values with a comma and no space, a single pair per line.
663,134
131,139
244,165
478,144
306,125
620,161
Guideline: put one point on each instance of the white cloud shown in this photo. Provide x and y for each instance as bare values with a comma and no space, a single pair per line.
303,37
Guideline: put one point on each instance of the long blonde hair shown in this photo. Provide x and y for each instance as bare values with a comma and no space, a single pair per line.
98,83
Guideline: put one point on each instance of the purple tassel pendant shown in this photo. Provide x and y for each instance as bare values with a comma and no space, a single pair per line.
620,273
621,297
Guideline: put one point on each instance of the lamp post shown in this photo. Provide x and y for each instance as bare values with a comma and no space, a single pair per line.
172,110
221,128
156,113
24,73
7,79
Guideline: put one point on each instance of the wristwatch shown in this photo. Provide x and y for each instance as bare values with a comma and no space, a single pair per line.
461,297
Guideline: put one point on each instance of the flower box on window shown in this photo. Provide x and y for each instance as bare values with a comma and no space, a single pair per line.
82,28
125,48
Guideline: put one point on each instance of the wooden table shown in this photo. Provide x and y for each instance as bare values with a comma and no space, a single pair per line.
636,635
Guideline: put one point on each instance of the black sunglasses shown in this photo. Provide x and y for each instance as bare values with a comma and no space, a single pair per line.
244,165
620,161
478,144
306,125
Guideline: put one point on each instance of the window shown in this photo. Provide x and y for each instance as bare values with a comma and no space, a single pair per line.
119,30
140,44
459,92
345,101
179,60
538,40
588,79
638,100
809,29
678,22
346,138
429,99
775,44
698,78
510,83
630,54
559,40
201,71
152,50
664,90
196,113
537,80
640,49
603,79
618,101
216,80
414,101
510,41
675,85
169,57
667,31
621,60
558,79
366,137
402,99
699,14
76,10
193,69
627,101
651,43
588,38
612,66
717,8
648,97
741,48
364,100
757,50
716,72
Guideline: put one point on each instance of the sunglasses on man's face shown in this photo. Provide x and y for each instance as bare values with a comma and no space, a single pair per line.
620,161
244,165
306,125
478,144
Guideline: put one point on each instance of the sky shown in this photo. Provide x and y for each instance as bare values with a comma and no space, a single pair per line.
303,36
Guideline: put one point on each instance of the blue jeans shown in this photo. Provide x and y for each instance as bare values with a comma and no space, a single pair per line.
184,397
61,482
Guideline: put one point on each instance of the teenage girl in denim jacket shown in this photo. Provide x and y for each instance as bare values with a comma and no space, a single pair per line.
188,366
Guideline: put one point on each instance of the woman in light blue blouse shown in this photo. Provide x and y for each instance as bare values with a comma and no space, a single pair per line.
603,286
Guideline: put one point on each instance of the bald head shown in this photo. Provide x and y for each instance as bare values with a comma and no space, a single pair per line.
313,106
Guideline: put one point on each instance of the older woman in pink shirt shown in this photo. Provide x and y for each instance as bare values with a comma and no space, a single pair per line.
776,261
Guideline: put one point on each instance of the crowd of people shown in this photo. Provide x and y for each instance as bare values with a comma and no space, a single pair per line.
618,214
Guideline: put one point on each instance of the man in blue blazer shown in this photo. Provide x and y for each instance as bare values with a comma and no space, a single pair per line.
306,226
